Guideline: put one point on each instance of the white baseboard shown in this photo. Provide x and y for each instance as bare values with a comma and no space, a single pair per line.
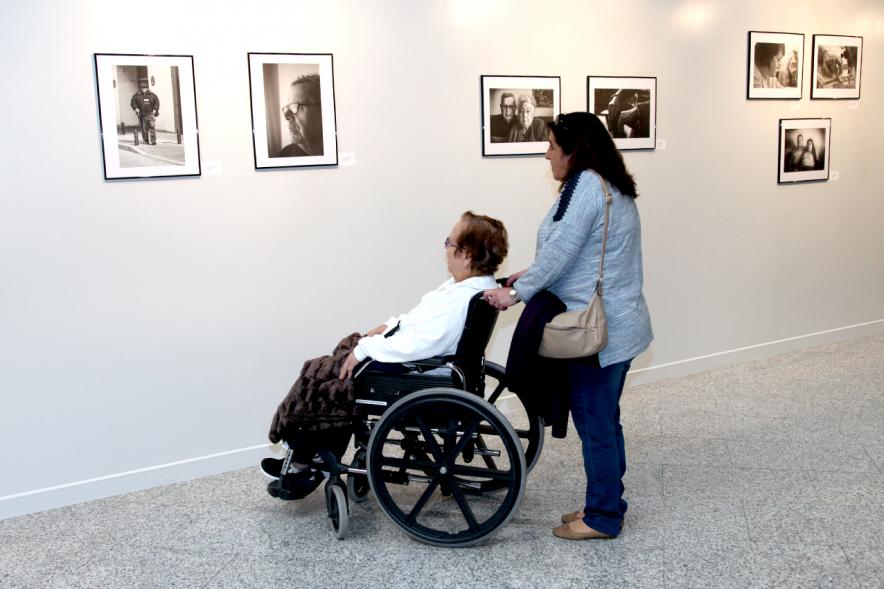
184,470
729,357
130,481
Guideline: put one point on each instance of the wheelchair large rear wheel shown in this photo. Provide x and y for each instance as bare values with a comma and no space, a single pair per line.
419,469
527,425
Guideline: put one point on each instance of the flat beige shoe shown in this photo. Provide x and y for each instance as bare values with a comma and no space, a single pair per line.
575,515
570,517
564,531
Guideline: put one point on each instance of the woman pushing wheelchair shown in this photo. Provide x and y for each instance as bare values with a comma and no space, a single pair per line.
318,411
594,213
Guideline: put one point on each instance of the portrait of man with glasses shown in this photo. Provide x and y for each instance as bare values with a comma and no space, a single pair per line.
303,115
293,109
500,124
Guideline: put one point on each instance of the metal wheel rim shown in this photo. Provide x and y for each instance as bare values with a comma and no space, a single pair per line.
535,435
456,400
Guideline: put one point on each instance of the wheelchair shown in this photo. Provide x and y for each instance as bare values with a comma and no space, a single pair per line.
433,446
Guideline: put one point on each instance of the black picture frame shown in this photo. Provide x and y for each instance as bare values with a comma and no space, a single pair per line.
311,132
798,164
162,144
635,128
539,97
832,82
784,84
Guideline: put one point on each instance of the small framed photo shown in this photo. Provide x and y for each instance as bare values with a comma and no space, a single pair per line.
293,110
627,106
804,150
775,65
515,111
837,67
147,115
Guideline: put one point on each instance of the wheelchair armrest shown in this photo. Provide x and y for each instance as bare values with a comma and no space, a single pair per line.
494,367
424,365
434,362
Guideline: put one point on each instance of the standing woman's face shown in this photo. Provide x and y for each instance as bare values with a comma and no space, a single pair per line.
559,162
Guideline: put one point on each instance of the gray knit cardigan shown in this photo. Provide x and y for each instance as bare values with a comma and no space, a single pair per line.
569,245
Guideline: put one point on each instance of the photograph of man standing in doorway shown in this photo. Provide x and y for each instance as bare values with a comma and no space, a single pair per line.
146,139
146,105
147,112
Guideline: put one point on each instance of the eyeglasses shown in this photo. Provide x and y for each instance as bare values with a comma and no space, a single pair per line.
449,243
560,122
293,108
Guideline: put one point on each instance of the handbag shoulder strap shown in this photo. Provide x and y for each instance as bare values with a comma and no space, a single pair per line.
601,279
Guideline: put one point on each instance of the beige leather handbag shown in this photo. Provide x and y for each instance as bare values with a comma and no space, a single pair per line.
578,334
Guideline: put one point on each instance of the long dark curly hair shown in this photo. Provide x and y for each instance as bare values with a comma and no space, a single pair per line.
583,135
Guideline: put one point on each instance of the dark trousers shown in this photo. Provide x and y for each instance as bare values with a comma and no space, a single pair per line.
149,128
595,407
305,443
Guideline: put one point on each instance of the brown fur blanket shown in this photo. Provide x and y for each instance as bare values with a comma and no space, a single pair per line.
318,400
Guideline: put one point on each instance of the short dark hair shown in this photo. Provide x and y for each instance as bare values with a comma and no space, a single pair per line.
311,84
764,52
583,135
506,95
485,240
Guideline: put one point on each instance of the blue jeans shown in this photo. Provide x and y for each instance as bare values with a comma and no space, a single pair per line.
595,407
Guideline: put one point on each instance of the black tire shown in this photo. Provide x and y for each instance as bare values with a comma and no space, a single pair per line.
529,427
418,471
357,484
338,510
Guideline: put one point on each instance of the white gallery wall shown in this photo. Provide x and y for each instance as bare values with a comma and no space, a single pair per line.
148,328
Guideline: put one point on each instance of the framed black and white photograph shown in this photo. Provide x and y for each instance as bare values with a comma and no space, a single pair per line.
147,115
804,150
627,106
775,65
837,67
515,111
293,109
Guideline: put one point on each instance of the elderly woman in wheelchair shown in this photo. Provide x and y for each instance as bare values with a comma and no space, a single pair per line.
411,392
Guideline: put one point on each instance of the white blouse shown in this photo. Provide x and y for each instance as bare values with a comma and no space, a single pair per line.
432,328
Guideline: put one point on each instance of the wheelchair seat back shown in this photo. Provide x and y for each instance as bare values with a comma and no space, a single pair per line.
470,354
380,385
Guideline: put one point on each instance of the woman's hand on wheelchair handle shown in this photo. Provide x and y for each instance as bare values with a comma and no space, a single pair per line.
513,277
347,368
499,298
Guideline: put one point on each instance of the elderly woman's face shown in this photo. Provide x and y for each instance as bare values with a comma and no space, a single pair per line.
526,114
455,256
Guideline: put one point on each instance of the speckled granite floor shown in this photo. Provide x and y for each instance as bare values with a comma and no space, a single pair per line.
765,474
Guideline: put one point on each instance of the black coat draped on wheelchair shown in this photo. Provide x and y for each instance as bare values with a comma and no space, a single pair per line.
433,445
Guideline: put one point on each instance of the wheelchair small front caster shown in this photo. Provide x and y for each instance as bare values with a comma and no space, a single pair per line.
357,484
338,510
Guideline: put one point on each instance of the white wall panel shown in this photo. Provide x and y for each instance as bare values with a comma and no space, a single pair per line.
146,323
